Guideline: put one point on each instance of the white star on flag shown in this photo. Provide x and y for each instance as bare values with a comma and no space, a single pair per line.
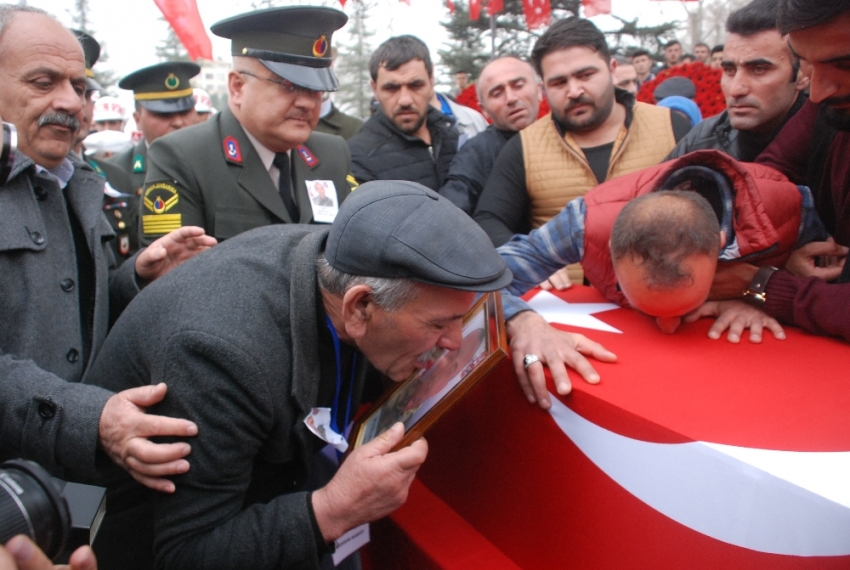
556,310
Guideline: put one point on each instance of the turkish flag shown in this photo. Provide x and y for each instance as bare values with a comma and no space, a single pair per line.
495,6
536,13
184,17
474,9
596,7
691,453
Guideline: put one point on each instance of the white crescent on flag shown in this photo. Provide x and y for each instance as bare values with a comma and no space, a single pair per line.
779,502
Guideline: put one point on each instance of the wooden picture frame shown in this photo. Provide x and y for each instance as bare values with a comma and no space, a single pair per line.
423,398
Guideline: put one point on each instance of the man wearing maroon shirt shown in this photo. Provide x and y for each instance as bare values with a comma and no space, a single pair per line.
812,149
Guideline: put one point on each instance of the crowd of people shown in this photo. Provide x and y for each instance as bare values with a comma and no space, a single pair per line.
174,308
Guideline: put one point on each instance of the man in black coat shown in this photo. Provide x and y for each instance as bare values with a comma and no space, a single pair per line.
509,92
406,139
59,289
761,81
274,323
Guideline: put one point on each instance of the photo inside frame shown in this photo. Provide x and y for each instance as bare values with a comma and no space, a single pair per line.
420,393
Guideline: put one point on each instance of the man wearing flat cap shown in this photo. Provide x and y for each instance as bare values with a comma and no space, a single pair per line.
279,321
251,165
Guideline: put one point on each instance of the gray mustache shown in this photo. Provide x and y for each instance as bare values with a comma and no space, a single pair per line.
61,119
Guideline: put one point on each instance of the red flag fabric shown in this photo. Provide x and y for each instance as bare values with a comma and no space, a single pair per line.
184,17
474,9
451,6
536,13
495,6
596,7
342,3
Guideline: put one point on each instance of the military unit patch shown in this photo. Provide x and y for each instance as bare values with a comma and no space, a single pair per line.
138,163
232,150
308,157
352,182
320,46
159,198
172,82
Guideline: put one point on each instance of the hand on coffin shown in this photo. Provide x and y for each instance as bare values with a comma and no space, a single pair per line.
736,316
529,333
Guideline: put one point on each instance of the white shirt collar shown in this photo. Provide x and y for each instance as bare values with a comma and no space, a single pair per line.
266,155
62,173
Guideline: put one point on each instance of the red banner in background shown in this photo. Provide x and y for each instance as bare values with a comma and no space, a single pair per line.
184,17
536,13
474,9
596,7
495,6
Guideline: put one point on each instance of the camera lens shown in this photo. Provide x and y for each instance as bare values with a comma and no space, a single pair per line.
7,151
31,504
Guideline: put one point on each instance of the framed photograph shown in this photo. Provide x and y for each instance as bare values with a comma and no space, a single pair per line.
423,398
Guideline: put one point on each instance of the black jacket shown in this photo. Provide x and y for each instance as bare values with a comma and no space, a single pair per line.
472,166
380,151
717,133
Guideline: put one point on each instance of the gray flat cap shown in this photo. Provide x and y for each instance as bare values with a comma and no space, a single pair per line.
400,229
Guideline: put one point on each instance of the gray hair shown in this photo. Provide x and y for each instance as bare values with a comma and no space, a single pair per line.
390,294
8,11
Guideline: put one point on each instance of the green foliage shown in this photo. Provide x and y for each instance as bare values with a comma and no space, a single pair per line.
472,44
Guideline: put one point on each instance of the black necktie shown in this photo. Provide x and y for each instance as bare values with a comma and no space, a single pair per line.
284,185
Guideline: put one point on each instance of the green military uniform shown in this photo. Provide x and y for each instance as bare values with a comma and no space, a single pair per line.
121,210
121,207
133,162
162,88
211,176
338,123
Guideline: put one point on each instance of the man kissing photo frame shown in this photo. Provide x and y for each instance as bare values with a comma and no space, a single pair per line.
422,399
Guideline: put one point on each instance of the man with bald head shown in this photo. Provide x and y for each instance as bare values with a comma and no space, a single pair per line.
58,286
509,92
652,240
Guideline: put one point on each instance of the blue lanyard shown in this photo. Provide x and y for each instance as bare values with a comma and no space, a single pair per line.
338,391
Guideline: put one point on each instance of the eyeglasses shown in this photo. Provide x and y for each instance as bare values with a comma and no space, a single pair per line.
287,87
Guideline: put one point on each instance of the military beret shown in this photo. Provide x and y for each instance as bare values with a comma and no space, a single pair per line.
164,87
400,229
293,42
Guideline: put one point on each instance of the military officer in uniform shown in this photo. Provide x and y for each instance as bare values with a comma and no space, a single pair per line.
164,103
118,207
251,164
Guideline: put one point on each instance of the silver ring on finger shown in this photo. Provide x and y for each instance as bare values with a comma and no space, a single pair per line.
529,360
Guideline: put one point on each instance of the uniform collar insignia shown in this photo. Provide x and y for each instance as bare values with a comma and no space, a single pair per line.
308,157
232,152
